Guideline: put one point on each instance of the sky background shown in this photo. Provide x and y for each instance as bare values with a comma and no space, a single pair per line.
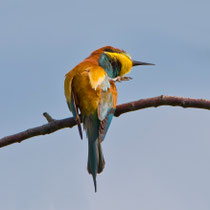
157,158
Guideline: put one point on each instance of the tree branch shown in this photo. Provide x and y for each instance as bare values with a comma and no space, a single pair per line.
54,125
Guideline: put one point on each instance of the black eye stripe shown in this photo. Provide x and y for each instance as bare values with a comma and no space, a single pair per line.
114,51
108,50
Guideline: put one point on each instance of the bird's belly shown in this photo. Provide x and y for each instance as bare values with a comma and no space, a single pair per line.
87,97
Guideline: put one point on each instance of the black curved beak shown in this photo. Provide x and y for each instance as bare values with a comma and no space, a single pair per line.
137,63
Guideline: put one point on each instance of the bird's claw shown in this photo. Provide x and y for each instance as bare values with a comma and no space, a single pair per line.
121,79
126,78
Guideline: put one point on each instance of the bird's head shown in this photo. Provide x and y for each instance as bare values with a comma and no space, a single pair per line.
116,62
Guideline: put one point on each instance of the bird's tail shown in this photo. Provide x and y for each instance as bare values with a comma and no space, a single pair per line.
96,161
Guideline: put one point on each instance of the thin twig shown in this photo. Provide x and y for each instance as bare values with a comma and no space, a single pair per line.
48,117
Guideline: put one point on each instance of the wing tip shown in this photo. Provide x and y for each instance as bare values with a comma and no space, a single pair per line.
80,129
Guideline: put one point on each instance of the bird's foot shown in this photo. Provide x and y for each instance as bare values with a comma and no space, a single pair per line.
121,79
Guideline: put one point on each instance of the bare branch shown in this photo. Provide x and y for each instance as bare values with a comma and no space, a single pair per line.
55,125
162,101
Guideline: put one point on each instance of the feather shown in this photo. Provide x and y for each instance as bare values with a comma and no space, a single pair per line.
74,108
96,161
71,101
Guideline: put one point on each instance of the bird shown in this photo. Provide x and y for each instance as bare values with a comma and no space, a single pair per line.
91,95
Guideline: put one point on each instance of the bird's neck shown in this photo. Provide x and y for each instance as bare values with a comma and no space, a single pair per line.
112,67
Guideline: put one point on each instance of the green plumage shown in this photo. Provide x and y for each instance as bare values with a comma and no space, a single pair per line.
96,161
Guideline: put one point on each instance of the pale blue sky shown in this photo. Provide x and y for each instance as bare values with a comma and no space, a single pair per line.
156,159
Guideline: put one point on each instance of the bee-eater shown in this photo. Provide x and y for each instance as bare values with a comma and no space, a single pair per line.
90,89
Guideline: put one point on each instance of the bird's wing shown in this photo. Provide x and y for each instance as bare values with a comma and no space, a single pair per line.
98,95
108,98
106,109
72,100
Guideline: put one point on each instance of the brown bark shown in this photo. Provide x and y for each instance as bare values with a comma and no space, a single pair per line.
54,125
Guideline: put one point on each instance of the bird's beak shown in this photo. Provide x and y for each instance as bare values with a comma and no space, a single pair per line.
136,63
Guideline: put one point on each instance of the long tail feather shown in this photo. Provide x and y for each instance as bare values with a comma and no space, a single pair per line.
95,183
92,160
96,161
